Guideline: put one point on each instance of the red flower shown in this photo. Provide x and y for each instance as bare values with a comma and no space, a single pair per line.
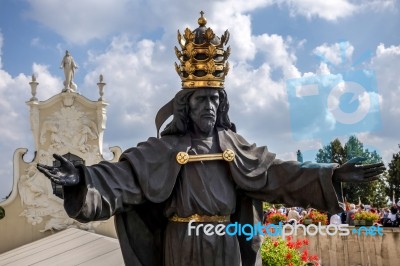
305,241
290,244
276,243
289,238
289,256
304,255
314,258
299,243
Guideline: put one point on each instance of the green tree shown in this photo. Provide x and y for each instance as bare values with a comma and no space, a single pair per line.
332,153
393,177
369,193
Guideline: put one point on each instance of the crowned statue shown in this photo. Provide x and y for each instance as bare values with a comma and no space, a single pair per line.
198,172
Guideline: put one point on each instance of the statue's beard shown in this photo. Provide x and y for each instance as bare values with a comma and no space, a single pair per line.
205,125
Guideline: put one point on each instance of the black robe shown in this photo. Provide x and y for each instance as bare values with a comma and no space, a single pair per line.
140,191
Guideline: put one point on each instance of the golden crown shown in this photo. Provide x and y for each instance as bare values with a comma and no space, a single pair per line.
202,59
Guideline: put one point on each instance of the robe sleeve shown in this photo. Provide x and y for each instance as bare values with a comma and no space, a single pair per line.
146,172
300,184
257,171
107,188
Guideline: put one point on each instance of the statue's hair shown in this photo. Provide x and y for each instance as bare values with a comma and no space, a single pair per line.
181,121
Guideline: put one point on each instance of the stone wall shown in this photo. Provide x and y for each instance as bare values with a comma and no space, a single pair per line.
357,249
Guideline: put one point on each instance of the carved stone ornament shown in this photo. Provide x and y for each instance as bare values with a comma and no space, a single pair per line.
69,128
40,204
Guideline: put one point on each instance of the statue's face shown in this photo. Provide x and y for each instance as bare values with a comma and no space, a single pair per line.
203,106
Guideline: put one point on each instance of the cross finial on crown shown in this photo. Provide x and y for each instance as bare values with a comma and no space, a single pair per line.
202,20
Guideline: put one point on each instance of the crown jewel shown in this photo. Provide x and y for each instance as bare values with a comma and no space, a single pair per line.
202,58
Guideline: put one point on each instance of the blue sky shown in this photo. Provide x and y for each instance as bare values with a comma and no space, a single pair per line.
315,44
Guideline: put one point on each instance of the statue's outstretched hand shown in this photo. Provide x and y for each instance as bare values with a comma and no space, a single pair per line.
66,174
352,171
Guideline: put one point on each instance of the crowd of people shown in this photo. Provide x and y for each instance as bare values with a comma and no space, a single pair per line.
388,216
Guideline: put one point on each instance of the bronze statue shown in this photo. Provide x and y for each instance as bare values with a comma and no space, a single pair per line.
199,170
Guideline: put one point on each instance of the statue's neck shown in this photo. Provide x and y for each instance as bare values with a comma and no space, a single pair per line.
199,134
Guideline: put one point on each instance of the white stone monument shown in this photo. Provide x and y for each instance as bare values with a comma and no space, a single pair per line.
67,124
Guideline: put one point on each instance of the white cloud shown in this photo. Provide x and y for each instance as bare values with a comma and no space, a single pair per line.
11,90
386,138
14,123
385,64
81,21
385,100
239,26
253,89
277,52
335,10
14,115
140,78
48,84
376,5
338,53
329,10
323,69
144,76
382,51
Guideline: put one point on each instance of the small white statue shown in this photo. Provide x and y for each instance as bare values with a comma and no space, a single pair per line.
69,66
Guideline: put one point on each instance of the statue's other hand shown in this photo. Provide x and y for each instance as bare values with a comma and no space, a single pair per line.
352,171
66,174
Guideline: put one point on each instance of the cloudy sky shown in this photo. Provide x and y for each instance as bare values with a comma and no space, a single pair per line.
302,72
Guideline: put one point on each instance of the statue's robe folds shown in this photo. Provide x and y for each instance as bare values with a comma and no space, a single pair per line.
147,186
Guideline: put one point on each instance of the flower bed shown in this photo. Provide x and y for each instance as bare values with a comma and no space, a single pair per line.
275,218
316,217
367,216
277,252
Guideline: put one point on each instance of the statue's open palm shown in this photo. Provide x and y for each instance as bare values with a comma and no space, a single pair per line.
352,171
66,174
